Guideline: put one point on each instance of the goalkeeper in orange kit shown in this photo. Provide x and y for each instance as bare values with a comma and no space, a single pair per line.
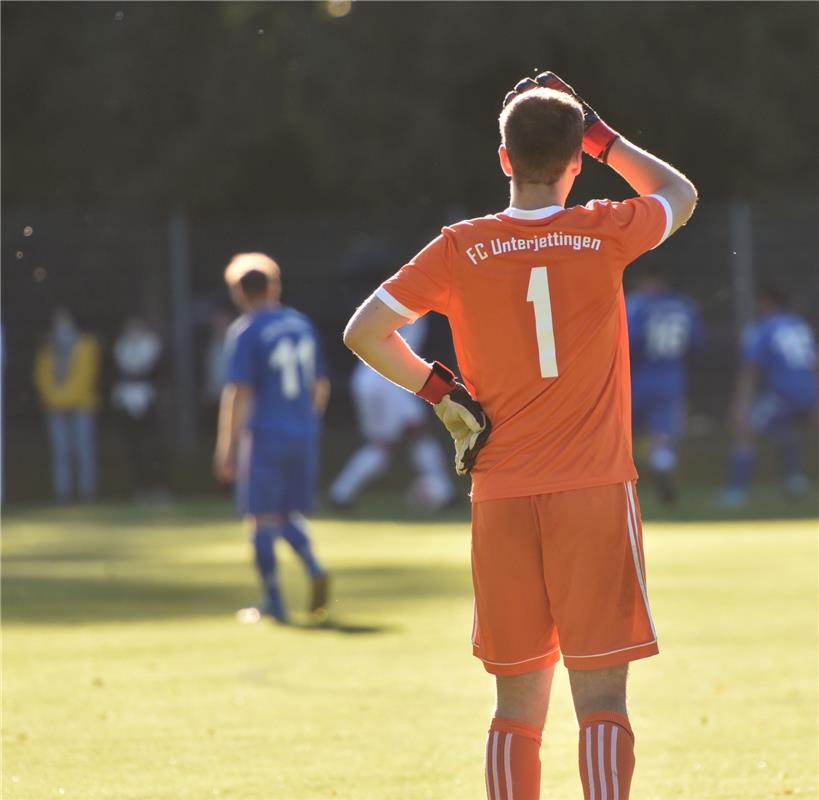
534,299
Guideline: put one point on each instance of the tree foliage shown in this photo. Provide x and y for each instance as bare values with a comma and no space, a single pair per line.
242,107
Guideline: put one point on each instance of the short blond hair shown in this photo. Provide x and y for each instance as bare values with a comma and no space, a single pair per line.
542,130
242,263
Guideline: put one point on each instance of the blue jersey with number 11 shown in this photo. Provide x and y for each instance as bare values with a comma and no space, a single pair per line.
278,354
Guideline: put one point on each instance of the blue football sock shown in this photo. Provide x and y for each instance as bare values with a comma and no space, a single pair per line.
294,534
739,469
787,444
264,540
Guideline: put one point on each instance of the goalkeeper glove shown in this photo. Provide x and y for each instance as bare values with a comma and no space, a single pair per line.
462,415
597,136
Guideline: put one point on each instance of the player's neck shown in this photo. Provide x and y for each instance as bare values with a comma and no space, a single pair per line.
531,196
263,304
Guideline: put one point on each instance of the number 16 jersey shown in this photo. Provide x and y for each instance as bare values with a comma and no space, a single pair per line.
535,303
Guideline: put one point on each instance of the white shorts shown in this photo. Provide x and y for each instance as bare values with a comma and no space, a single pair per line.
385,410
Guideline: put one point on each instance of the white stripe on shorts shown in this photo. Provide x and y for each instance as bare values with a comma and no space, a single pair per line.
631,517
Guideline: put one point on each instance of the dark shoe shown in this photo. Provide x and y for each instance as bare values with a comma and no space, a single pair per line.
318,601
666,488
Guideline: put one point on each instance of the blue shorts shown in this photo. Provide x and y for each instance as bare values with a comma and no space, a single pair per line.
772,412
276,475
658,413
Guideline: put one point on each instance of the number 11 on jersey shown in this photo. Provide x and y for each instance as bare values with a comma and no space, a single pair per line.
538,295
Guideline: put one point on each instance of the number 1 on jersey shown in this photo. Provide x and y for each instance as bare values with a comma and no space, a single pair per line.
538,295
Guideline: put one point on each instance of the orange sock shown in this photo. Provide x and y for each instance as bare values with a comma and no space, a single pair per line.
512,761
606,756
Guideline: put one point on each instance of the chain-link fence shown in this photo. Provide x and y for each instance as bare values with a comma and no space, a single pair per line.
169,271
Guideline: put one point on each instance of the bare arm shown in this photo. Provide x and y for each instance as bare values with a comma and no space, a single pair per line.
321,395
647,174
372,335
234,407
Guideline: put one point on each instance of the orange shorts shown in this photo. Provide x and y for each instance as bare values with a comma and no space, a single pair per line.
562,571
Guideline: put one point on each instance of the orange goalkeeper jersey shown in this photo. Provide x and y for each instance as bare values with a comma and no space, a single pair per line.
535,303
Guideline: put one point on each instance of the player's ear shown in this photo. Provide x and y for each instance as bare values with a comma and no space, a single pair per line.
576,164
506,164
275,290
236,295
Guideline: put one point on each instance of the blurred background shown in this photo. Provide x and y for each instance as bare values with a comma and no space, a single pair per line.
145,143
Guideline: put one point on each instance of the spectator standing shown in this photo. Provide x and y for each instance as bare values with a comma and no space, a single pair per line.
66,372
137,355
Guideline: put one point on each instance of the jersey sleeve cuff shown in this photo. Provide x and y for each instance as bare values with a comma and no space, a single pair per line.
669,217
399,308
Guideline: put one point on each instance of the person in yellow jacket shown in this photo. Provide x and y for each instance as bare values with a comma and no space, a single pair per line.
66,371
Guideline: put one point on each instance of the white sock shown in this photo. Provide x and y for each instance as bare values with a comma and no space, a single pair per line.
365,464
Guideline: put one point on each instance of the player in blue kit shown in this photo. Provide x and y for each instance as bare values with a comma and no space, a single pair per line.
664,327
275,393
775,394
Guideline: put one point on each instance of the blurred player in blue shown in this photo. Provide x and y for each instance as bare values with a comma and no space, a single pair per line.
275,393
663,328
775,393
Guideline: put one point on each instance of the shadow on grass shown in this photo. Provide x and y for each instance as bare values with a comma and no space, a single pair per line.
696,504
82,599
335,625
183,512
106,563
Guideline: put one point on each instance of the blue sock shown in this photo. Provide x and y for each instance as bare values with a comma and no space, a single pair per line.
739,469
295,535
786,442
264,540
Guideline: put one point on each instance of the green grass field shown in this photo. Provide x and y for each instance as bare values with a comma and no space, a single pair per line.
126,675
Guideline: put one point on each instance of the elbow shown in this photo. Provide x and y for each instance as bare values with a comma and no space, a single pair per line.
690,197
352,336
682,196
694,195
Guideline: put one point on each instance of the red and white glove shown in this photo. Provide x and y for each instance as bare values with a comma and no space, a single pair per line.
597,136
461,414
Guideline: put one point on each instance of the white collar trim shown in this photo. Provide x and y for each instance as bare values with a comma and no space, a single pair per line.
531,213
